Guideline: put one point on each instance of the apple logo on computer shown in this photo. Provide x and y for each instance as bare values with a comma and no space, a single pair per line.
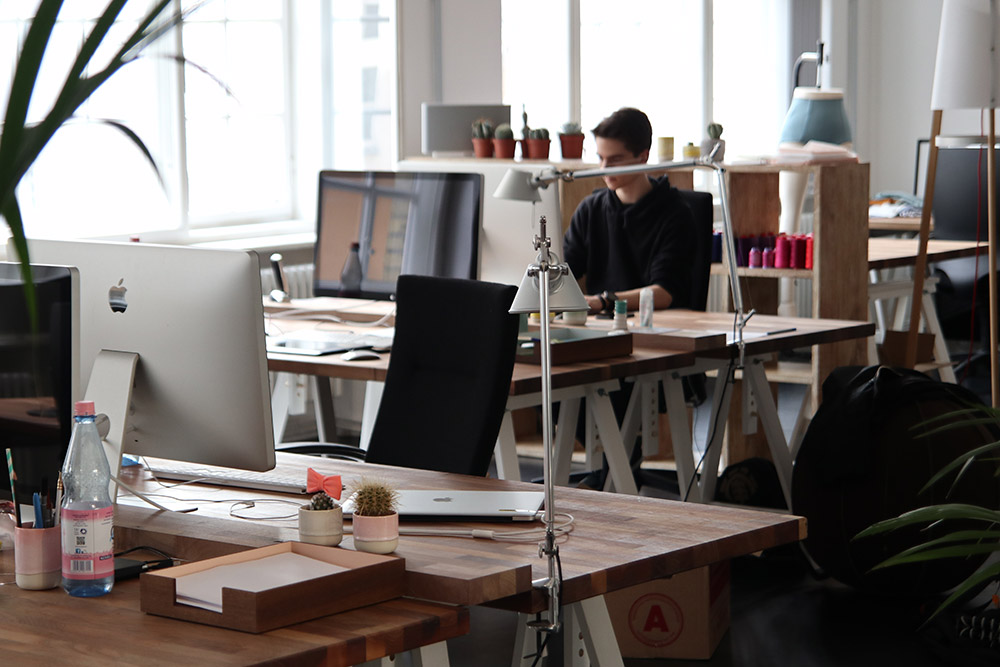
116,297
443,499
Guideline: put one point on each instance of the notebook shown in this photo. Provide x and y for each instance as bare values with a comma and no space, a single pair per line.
316,343
444,505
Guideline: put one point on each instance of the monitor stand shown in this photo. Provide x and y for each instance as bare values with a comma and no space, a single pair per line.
110,388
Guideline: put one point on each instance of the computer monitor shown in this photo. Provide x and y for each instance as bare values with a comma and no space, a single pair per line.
960,186
422,223
195,319
38,375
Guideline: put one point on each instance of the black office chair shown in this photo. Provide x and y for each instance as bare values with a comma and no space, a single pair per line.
703,209
448,379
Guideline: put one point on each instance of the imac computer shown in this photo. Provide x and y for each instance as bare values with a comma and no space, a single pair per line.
172,349
421,223
38,376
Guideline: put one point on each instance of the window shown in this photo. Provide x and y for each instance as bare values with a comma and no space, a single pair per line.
306,86
650,54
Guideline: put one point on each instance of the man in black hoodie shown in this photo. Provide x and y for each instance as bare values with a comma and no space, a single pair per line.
636,233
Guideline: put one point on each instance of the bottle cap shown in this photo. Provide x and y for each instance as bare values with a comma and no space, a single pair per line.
621,307
84,409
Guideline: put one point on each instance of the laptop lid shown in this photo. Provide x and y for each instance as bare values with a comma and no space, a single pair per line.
449,504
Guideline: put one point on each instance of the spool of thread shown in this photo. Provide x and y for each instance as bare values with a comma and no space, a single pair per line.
809,251
755,260
782,250
798,252
767,258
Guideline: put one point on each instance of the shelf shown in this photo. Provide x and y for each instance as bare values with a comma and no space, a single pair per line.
718,269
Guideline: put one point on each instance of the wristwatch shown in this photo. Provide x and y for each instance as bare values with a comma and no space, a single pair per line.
608,299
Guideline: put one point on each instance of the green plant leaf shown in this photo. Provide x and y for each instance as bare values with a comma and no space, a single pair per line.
21,89
974,581
930,514
954,551
962,461
12,213
128,132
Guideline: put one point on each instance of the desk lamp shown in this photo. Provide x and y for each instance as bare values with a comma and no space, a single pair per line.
815,114
966,76
549,286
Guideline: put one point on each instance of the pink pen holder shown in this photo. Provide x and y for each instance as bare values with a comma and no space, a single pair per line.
37,557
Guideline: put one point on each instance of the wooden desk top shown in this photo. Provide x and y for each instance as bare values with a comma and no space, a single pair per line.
52,628
525,379
897,225
763,334
618,541
886,253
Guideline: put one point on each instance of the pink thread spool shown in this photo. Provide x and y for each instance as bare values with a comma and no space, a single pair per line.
797,253
809,251
767,258
782,250
755,261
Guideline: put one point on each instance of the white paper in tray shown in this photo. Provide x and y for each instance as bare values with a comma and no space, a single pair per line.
204,589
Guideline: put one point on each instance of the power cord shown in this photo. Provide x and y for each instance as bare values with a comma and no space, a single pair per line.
729,379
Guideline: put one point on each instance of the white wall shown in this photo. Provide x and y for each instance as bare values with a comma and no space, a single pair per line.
896,73
449,51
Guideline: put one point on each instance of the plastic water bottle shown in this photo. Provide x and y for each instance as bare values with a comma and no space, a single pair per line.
646,307
86,514
350,275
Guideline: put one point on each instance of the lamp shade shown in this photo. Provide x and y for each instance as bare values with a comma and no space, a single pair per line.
816,115
564,294
966,75
518,185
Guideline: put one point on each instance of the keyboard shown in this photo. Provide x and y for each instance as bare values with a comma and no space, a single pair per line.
244,479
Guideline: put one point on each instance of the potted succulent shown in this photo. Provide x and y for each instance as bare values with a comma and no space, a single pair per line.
482,137
375,521
321,521
538,144
714,137
571,141
503,141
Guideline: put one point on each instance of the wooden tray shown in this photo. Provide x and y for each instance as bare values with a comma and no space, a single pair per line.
571,345
368,580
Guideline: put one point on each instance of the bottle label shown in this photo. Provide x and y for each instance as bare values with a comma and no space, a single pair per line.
87,541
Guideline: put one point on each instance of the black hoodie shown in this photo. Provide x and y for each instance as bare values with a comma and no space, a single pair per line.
621,247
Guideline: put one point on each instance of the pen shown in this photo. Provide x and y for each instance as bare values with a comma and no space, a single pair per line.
58,508
36,501
13,493
781,331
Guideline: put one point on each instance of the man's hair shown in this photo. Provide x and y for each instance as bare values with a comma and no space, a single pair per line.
629,126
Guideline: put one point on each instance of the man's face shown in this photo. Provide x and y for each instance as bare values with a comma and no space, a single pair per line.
613,153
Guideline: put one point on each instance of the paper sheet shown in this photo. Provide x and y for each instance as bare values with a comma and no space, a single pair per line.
204,589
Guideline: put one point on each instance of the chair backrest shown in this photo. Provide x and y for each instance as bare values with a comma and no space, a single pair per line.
703,211
449,375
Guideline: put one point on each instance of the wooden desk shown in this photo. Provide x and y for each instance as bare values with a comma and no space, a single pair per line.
52,628
896,225
887,253
763,336
592,380
618,541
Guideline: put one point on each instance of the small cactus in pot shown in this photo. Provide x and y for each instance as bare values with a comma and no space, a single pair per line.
714,138
503,141
375,522
571,141
321,521
482,137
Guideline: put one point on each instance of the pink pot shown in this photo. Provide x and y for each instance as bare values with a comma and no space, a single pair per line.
376,534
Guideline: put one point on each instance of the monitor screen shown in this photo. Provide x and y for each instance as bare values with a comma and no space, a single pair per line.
38,378
960,186
420,223
195,318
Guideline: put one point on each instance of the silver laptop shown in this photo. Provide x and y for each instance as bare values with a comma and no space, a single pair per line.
444,505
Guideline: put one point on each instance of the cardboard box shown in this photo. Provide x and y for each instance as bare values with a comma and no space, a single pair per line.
893,350
368,579
682,617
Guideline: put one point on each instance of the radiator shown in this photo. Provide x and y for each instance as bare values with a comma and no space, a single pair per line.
298,276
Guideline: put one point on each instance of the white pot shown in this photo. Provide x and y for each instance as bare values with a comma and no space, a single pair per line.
324,527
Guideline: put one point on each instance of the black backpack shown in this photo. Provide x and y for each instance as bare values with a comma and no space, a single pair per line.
862,461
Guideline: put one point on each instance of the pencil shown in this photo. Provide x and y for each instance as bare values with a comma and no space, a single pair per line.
59,491
13,493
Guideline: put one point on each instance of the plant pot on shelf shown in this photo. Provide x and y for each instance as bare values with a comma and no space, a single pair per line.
538,149
324,527
709,144
571,146
482,147
504,148
376,534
